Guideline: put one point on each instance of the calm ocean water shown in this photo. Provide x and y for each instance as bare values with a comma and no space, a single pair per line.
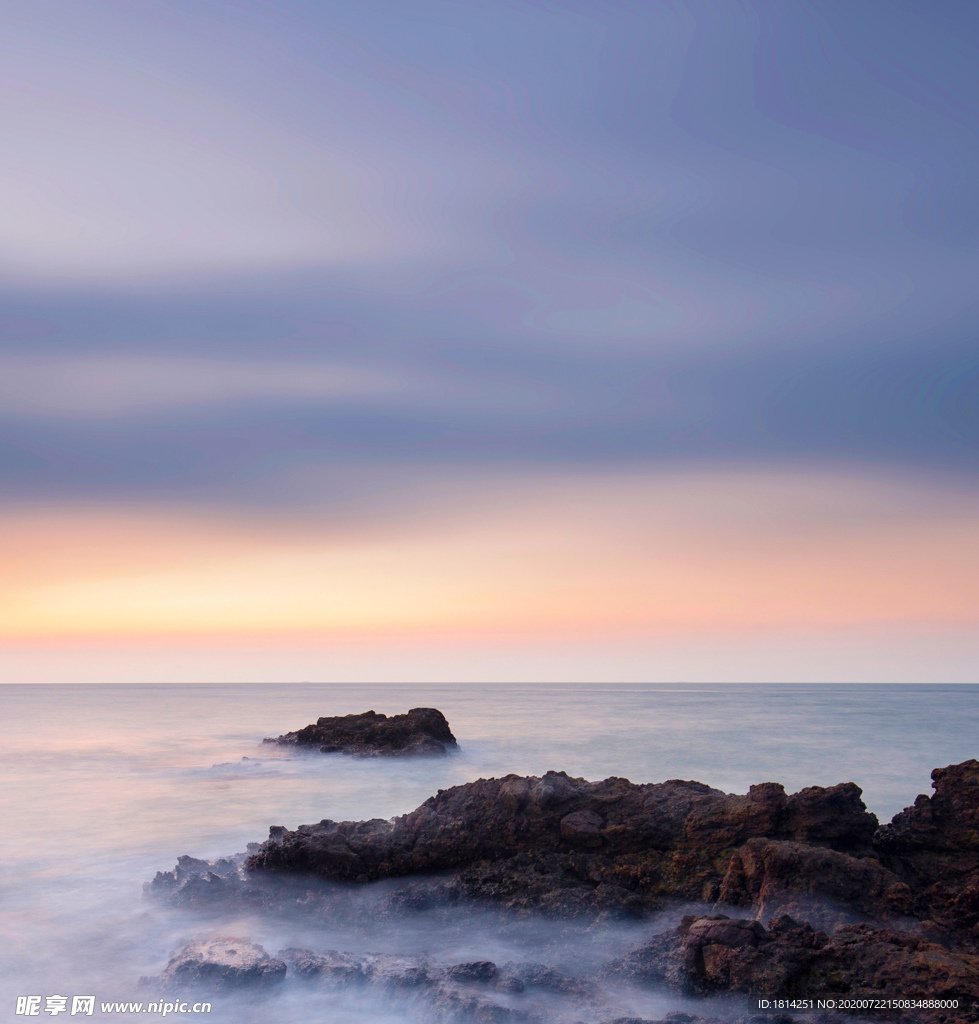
104,785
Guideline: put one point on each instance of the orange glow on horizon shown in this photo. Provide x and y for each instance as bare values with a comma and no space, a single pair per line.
685,551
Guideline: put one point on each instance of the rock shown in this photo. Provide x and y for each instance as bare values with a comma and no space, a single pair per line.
711,954
540,976
933,846
205,892
339,969
573,847
220,964
467,993
773,875
200,883
422,731
480,970
853,909
582,828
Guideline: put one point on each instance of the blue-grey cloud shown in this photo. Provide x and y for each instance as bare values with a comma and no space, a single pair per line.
249,237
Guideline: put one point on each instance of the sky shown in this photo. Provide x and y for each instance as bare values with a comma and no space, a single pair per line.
489,340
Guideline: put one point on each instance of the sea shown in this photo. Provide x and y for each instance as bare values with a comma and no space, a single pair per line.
103,786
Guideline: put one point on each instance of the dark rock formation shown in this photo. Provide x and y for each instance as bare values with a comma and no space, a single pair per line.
572,846
219,965
790,960
934,847
201,883
855,911
215,888
422,731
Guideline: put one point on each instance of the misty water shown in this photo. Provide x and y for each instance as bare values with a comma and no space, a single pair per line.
102,786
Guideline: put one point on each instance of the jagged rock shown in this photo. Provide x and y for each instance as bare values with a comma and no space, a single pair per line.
220,964
574,847
711,954
200,883
571,846
422,731
195,885
934,847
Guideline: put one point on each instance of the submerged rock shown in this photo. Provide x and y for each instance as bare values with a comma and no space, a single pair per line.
463,993
339,969
220,964
201,883
469,992
422,731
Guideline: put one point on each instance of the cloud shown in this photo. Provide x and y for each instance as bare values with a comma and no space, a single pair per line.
408,313
93,387
133,163
93,192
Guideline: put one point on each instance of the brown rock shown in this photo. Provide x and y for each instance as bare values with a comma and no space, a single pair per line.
422,731
707,955
582,828
933,846
574,846
770,873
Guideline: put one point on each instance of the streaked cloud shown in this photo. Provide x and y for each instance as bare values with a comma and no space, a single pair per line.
111,386
104,388
131,162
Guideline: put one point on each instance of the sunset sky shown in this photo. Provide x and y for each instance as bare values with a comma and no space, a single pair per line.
489,340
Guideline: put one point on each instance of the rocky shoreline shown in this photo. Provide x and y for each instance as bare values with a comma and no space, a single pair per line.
808,896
